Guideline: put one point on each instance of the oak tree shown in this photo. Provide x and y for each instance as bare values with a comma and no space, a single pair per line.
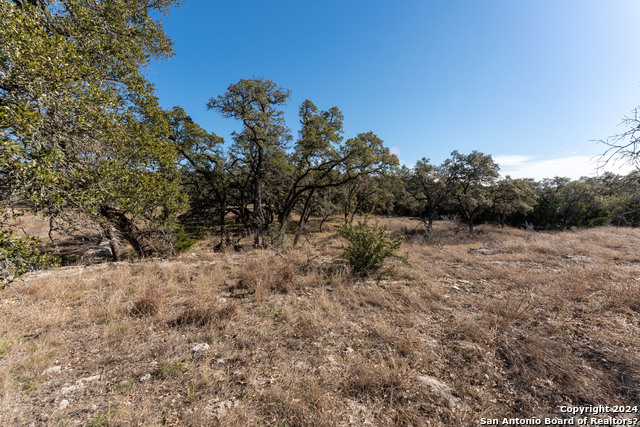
96,142
255,102
473,175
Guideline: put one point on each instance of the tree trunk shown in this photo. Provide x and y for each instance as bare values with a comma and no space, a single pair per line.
223,228
307,216
302,218
258,214
129,231
322,222
113,243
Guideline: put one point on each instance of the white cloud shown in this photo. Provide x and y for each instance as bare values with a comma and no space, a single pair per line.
395,150
573,166
511,161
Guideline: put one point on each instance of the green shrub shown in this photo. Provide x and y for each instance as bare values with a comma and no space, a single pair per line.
368,248
18,255
184,241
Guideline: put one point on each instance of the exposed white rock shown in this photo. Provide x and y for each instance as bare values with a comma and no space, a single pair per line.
199,350
79,384
52,370
70,389
440,389
88,379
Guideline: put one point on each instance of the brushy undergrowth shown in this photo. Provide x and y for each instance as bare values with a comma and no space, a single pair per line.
368,248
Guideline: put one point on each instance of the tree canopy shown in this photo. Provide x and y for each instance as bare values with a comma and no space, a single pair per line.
81,127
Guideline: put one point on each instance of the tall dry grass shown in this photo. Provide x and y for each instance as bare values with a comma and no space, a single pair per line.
514,331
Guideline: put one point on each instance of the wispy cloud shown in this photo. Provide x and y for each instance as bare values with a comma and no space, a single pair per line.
511,161
572,166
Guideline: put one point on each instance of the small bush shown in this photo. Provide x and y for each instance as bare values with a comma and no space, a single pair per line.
19,255
368,248
184,241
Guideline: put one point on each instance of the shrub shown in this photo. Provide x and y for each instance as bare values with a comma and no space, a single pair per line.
18,255
368,248
184,241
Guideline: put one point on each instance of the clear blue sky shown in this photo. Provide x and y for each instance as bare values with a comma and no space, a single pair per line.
530,82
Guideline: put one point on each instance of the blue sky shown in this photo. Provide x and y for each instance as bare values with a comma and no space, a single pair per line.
532,83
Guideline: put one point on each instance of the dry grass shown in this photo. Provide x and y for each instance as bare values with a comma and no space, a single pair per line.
147,304
202,314
516,330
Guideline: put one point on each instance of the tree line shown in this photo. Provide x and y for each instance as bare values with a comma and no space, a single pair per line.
455,189
84,141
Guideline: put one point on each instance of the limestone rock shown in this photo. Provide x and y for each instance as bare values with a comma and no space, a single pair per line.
52,370
199,350
440,389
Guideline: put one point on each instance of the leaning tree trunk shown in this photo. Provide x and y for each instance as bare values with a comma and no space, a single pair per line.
113,242
129,231
302,221
324,218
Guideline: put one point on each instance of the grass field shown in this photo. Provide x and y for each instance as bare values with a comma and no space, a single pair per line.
531,322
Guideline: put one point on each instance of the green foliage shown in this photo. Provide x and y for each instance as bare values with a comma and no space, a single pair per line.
275,235
19,255
587,202
431,187
256,103
368,248
184,241
512,196
473,175
81,130
203,168
28,384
